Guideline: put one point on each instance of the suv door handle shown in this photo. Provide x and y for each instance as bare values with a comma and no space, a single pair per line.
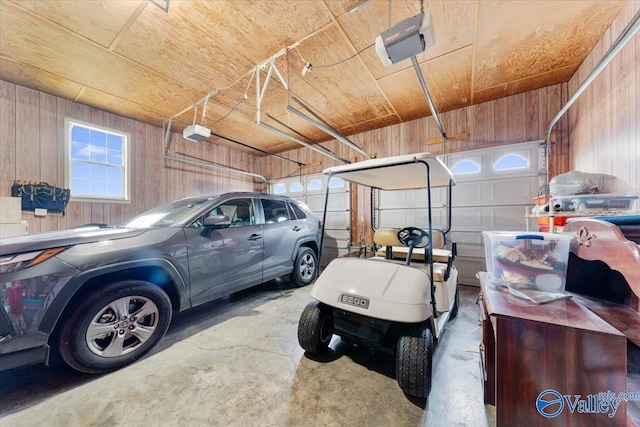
255,237
296,228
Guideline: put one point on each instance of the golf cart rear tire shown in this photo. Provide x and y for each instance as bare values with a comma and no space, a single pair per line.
315,328
305,267
414,355
456,304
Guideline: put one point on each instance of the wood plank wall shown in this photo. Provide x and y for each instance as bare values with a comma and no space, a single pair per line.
517,118
604,123
32,148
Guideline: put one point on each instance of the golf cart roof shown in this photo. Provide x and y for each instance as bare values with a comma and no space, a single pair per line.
395,173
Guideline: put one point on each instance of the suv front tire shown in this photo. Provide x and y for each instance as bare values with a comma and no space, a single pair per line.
114,326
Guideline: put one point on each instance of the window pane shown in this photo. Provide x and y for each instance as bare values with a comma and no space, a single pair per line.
80,151
336,183
114,142
80,170
280,189
98,187
275,211
114,175
80,187
98,154
299,212
80,134
114,157
465,166
296,187
511,161
98,139
316,184
240,212
114,189
98,172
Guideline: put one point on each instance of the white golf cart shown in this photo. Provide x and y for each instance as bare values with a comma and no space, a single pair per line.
400,299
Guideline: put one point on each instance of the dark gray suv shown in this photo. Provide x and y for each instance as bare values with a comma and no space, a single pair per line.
104,296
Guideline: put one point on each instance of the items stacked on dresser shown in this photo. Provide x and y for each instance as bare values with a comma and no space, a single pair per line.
531,265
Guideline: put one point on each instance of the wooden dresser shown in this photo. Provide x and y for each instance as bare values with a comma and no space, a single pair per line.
534,354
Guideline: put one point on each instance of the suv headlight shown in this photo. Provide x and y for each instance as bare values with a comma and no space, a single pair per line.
17,262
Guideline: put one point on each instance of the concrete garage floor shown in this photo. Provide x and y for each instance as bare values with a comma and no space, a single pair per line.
237,362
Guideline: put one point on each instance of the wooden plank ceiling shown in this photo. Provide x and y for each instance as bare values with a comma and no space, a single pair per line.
134,59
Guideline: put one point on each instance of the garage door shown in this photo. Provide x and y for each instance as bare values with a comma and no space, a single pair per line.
494,189
311,189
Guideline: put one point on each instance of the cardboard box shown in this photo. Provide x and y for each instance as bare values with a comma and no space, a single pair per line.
11,230
10,210
538,260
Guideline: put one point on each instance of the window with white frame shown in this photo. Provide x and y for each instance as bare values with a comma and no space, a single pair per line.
335,182
511,161
96,162
466,166
315,184
280,189
296,187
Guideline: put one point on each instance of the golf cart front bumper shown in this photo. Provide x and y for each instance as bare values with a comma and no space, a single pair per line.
377,289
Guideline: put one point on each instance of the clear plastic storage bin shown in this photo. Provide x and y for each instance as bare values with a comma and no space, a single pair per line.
594,202
538,260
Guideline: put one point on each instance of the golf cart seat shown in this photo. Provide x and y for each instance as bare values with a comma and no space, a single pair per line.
393,250
388,238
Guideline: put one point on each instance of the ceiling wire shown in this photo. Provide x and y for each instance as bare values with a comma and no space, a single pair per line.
244,98
195,112
300,55
230,111
315,67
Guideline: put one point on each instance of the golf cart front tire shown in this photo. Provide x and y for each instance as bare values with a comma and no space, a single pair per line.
414,355
315,328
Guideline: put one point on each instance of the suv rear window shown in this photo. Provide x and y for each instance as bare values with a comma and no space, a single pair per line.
275,211
299,212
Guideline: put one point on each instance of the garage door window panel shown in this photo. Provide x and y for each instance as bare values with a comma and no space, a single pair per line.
296,187
280,189
315,185
511,162
466,167
336,182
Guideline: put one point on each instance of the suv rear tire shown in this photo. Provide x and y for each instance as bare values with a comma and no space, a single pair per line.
115,326
305,267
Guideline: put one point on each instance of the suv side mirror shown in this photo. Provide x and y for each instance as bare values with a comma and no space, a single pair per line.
218,221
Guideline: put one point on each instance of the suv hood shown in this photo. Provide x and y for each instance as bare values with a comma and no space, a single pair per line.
55,239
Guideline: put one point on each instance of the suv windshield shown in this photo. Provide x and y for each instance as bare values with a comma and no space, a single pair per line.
167,215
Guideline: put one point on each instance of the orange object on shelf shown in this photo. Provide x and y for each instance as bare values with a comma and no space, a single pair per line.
541,200
557,220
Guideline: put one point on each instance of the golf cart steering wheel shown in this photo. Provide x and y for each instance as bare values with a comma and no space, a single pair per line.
414,237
